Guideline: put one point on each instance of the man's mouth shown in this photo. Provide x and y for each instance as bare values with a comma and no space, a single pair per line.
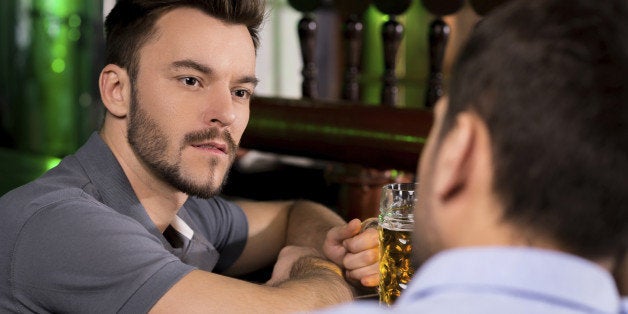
212,146
211,141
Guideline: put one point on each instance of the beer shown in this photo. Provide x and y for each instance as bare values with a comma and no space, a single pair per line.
395,265
396,223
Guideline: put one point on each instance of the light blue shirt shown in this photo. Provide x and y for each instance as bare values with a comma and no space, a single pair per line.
504,280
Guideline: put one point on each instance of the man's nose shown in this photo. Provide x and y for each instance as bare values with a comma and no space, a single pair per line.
219,108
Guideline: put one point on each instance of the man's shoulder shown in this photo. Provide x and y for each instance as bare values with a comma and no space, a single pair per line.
19,206
68,231
56,193
61,184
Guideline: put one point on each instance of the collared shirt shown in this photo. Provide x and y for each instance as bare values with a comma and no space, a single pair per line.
503,280
79,240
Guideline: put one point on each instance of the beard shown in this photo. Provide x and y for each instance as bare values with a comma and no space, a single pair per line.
150,144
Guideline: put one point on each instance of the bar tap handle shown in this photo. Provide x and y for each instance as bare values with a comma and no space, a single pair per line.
352,11
307,37
353,39
438,37
307,30
392,33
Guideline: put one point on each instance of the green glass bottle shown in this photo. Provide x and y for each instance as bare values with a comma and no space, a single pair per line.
49,50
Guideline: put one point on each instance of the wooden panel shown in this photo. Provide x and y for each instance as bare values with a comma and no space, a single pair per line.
371,136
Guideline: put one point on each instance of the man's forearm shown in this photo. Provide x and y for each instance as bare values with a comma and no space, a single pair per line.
319,278
308,223
313,283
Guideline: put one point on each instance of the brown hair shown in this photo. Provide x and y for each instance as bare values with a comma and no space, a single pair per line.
130,24
548,77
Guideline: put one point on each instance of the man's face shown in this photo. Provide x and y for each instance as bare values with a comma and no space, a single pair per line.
190,100
427,241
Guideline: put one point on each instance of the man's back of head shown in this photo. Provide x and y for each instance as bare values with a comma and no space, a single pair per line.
549,78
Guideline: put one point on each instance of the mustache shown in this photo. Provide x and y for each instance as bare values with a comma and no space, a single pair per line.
211,134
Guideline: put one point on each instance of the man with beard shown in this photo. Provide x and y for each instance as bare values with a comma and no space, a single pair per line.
132,222
523,197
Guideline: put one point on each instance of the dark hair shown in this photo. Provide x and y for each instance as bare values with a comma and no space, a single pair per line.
130,24
550,80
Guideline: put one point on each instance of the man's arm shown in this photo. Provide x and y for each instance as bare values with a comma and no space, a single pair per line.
312,283
274,225
296,236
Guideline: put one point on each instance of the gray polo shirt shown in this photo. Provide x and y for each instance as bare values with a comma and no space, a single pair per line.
78,240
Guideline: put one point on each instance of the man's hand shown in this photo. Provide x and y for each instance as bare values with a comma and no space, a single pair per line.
357,253
304,264
286,259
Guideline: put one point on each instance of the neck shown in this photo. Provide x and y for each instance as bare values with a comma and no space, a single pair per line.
503,233
162,209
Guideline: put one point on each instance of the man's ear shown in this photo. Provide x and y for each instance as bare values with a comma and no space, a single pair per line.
455,157
115,90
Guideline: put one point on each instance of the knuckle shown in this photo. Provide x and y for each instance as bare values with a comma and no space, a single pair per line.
372,255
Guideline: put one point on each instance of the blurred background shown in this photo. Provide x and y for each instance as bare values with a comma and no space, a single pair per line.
357,72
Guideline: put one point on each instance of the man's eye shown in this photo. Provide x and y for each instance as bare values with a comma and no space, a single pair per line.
242,93
190,81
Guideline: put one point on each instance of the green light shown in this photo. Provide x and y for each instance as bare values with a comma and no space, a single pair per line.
284,127
74,20
394,173
58,8
58,65
52,162
74,34
59,50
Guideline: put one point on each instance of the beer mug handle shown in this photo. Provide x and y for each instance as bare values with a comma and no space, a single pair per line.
369,223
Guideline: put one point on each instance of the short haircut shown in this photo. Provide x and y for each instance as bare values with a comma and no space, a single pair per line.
550,80
131,23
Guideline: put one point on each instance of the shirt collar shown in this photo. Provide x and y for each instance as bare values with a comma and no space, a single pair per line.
565,278
115,190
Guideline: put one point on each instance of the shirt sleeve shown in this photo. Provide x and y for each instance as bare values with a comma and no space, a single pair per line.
224,225
80,256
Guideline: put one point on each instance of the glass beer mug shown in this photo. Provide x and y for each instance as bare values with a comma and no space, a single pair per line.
396,222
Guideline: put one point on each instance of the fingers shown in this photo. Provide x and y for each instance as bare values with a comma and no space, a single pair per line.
340,233
333,247
361,259
368,276
370,281
356,249
363,266
364,241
